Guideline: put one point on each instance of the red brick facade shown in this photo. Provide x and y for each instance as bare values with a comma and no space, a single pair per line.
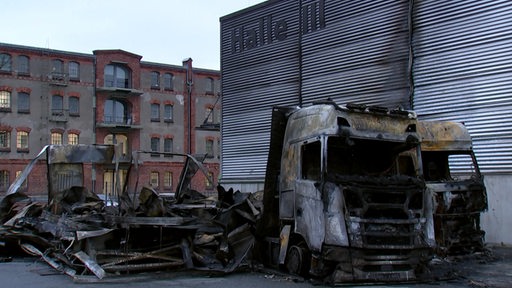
131,114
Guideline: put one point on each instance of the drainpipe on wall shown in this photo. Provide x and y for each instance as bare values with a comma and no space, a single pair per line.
188,81
93,169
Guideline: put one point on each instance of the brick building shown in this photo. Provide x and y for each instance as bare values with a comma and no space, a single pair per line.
111,97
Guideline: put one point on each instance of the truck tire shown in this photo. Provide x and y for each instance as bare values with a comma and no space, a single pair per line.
297,260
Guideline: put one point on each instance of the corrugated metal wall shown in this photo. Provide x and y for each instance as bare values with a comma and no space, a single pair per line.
253,80
361,56
351,51
358,51
462,72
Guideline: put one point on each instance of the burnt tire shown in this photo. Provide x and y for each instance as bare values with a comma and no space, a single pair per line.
298,260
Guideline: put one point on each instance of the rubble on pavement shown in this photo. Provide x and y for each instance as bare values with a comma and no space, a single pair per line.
79,235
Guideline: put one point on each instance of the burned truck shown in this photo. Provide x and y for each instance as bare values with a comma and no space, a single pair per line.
342,201
452,174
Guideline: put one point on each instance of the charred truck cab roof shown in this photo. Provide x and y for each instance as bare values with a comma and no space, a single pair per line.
354,121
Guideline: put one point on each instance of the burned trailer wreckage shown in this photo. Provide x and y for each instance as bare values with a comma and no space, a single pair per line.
348,204
452,174
130,231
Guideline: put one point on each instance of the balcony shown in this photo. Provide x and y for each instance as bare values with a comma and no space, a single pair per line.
110,121
59,115
58,78
120,92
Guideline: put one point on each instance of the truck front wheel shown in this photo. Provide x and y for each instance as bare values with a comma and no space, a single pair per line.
297,260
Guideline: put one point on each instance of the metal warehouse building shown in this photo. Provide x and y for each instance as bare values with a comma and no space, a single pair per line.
446,59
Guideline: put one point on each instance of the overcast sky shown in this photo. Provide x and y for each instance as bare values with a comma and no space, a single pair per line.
163,31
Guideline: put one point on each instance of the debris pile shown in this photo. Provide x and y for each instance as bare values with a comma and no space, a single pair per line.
83,235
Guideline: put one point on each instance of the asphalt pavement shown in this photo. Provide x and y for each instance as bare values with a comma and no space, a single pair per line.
492,268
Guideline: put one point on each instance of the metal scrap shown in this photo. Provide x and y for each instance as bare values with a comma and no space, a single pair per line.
77,234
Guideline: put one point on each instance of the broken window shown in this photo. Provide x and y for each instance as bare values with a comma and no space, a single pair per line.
441,165
366,157
311,161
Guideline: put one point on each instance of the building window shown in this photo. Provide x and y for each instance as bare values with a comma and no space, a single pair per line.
56,138
218,148
72,138
5,140
168,180
153,180
24,185
209,115
22,140
74,106
117,76
168,113
168,79
74,70
210,85
58,70
155,146
4,180
168,143
57,66
23,65
23,102
155,112
5,62
209,184
119,139
115,111
5,101
57,105
209,148
108,183
155,80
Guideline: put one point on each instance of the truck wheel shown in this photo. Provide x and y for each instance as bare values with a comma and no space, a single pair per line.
297,260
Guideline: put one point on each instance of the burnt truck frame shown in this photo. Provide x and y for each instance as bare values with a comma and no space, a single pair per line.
341,200
452,174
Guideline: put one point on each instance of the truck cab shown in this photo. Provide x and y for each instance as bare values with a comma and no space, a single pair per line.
352,206
452,174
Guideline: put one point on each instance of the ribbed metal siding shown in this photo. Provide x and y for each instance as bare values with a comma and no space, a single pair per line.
361,56
253,81
462,72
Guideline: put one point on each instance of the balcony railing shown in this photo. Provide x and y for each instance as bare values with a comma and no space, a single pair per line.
58,78
110,121
59,115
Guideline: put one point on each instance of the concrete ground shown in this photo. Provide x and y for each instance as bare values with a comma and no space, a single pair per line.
490,269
